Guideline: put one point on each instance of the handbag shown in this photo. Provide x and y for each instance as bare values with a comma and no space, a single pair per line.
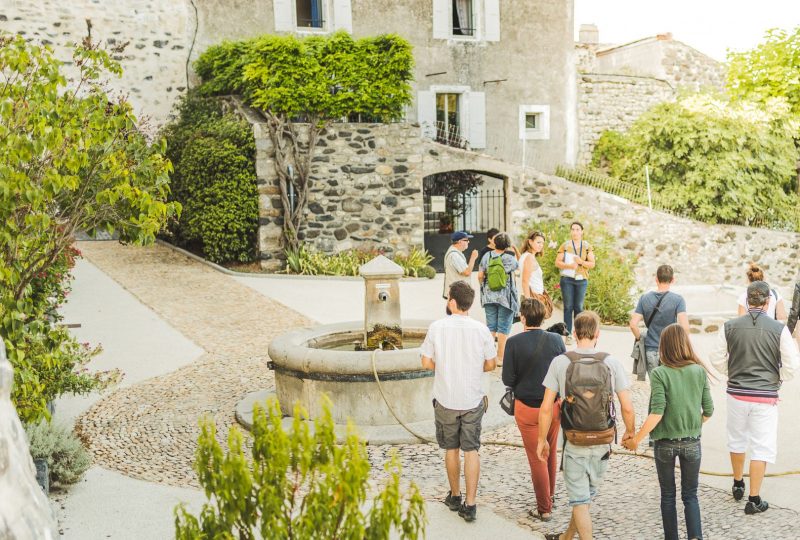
639,354
508,401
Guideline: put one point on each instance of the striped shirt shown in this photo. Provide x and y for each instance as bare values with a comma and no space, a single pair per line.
458,346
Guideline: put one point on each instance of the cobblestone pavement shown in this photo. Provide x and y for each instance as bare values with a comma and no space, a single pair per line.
148,431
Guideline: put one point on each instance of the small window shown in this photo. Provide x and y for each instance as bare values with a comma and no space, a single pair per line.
448,129
532,120
309,14
463,18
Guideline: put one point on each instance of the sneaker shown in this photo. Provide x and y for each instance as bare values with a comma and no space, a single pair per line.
753,508
453,502
738,492
468,512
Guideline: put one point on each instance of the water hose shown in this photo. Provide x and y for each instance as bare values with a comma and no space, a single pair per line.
520,445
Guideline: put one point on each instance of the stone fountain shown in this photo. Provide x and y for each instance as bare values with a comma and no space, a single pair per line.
337,360
25,513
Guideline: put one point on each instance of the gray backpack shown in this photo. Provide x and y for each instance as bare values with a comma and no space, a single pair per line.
588,415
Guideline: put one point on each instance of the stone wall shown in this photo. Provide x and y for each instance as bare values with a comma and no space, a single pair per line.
614,102
687,67
158,33
364,191
700,253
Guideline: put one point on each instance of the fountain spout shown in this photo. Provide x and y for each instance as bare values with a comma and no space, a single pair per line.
382,327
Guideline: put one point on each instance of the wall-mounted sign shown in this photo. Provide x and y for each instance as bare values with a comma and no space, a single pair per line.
438,203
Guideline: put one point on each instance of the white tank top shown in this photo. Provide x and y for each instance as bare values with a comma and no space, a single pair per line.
536,281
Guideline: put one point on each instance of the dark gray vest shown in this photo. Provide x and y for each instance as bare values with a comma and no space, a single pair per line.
754,353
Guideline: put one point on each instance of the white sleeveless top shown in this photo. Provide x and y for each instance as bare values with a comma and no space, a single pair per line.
536,281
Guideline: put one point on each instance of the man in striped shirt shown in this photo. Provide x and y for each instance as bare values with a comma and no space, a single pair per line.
758,353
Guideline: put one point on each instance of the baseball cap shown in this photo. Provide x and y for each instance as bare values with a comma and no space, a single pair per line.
757,293
459,235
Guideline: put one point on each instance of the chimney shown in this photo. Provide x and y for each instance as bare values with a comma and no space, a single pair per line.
589,33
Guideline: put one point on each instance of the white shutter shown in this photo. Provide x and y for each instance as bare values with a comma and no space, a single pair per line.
342,15
426,113
284,22
442,19
477,120
492,18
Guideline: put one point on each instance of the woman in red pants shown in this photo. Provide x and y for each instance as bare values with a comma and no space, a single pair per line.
526,360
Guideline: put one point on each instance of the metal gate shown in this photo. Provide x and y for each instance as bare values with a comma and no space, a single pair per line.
481,209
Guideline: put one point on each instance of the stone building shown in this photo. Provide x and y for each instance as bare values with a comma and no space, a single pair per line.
617,83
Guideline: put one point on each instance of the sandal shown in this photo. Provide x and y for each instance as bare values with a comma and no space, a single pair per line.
552,536
538,515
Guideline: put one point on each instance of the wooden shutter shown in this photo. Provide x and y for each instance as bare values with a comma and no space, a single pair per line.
477,120
343,15
442,19
284,21
492,18
426,113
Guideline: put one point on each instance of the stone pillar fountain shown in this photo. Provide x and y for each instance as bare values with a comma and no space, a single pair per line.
337,360
25,513
382,304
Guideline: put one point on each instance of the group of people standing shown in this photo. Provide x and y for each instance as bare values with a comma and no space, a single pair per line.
572,392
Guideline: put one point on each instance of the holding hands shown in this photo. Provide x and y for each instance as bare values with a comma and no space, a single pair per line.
631,442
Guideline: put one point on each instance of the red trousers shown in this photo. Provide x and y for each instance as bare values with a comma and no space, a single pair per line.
543,473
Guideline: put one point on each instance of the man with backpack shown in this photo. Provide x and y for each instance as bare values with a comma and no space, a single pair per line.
587,381
499,293
659,309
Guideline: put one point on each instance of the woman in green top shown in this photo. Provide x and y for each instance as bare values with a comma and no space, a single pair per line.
680,401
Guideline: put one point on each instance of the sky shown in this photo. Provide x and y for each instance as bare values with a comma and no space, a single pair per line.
710,26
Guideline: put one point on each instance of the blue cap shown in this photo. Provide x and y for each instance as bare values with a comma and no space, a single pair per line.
459,235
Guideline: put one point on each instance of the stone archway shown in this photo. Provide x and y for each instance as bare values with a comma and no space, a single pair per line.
472,209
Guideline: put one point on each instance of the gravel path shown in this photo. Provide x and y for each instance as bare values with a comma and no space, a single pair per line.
149,430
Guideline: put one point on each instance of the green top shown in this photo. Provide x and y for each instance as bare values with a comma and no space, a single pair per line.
680,394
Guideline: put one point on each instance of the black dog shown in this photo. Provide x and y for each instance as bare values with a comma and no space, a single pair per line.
559,328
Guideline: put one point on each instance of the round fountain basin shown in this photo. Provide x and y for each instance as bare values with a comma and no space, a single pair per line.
313,362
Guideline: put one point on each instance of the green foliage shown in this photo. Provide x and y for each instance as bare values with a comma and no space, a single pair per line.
712,160
428,272
770,70
72,159
613,153
306,261
214,179
612,284
415,263
66,457
298,485
322,77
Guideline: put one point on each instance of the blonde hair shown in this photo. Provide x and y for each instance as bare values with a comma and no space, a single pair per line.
586,324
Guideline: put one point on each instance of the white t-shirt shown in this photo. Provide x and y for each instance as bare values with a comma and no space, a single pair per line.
536,279
773,302
458,345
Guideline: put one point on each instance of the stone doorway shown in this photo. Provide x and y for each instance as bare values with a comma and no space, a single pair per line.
461,200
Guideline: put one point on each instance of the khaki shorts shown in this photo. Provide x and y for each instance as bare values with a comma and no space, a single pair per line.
458,429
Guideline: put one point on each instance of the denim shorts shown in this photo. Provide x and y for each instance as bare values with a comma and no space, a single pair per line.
584,468
499,318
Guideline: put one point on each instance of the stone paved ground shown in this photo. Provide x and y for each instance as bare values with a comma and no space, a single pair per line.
148,431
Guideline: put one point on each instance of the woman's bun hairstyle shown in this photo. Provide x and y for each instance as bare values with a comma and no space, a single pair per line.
755,273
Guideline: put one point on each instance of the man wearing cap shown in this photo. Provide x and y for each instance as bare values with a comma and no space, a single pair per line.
758,353
456,267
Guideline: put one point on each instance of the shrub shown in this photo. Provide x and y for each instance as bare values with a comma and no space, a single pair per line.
714,160
611,281
66,457
213,154
297,485
428,272
307,261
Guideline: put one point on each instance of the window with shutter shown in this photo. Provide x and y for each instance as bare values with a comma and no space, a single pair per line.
426,113
284,18
492,20
442,19
343,15
477,120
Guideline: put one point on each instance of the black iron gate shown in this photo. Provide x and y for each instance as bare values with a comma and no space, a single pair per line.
479,210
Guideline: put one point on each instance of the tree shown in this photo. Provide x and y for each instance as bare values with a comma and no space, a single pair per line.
72,159
770,70
301,86
714,160
298,485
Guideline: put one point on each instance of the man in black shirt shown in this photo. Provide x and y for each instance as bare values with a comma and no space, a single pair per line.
527,358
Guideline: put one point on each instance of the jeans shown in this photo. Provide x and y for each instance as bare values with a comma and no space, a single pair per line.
653,360
584,469
688,453
573,292
499,318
